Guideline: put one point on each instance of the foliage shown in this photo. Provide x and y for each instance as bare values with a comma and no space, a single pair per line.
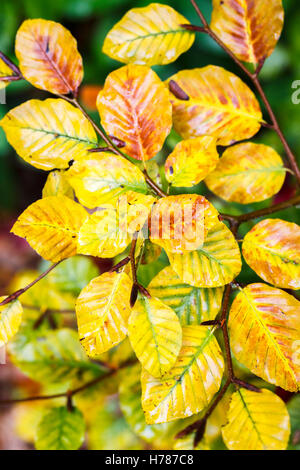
150,326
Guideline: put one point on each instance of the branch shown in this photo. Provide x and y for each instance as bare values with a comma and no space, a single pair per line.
294,201
19,292
12,66
70,393
254,78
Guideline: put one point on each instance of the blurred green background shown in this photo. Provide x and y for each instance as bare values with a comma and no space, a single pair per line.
89,21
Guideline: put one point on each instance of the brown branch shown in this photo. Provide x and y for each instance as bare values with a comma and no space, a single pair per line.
19,292
254,78
122,263
294,201
70,393
11,65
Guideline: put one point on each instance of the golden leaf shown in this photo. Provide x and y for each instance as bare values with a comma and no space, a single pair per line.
219,105
10,320
250,29
180,223
101,179
151,36
57,185
5,71
133,210
102,311
215,264
48,56
247,173
272,250
256,421
134,106
101,235
191,161
48,134
50,226
264,328
155,335
192,305
191,384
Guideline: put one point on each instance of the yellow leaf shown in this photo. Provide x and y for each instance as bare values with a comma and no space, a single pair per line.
48,134
151,36
50,226
155,335
101,235
57,185
180,223
264,328
250,29
133,209
215,264
48,56
10,320
101,179
272,250
247,173
134,106
5,71
192,305
102,311
191,161
256,421
220,105
191,384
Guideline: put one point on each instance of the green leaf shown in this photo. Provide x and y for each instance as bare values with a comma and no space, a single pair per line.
60,429
73,274
52,356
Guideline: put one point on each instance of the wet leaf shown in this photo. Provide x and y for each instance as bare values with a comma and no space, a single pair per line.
250,29
272,250
215,264
57,185
48,56
265,334
145,36
102,235
190,385
60,429
134,106
191,161
220,105
247,173
155,335
10,320
192,305
50,226
48,134
256,421
102,310
180,223
102,179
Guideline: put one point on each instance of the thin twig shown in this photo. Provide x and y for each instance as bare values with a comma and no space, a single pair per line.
19,292
75,391
11,65
294,201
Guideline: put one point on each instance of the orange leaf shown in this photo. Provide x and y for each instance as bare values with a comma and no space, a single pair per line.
219,104
48,56
180,223
272,250
249,28
134,106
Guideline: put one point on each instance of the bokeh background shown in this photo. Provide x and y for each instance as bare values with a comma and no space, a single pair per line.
89,21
